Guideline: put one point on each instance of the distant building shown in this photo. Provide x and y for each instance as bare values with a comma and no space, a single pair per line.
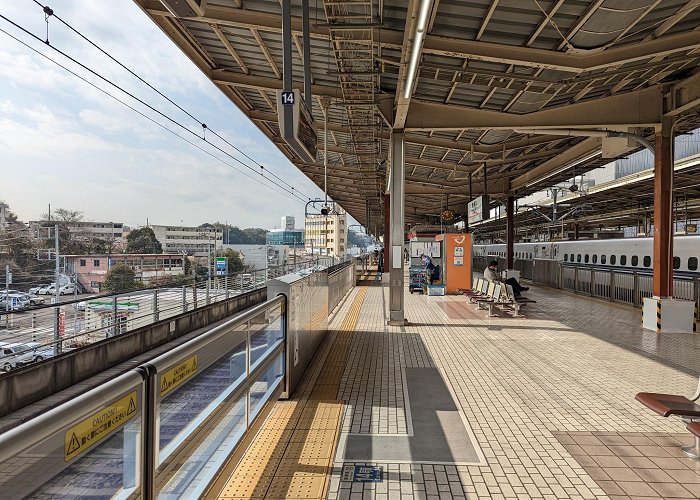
261,256
90,270
326,234
186,239
290,237
111,232
287,222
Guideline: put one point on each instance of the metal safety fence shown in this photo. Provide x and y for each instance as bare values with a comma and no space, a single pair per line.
47,331
161,430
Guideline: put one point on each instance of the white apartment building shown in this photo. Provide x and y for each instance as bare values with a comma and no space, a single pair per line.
109,231
190,240
326,234
287,222
261,256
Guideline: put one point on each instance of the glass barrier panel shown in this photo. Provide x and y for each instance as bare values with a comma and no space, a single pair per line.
264,386
192,477
266,333
95,456
191,389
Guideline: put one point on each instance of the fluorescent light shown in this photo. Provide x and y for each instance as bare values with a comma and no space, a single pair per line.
419,34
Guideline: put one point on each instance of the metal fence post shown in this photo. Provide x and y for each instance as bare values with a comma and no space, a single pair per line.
156,315
115,316
184,298
208,286
611,284
635,289
592,283
575,279
226,278
194,292
241,280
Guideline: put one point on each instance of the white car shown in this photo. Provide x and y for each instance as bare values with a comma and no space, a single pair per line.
14,302
35,289
47,290
14,355
39,351
67,289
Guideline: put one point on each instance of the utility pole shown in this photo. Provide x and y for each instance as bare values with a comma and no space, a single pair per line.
56,312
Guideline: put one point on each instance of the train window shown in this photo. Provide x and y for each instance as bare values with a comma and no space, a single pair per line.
602,259
646,262
530,255
623,260
572,257
613,259
635,260
676,263
595,258
693,264
585,258
578,258
566,257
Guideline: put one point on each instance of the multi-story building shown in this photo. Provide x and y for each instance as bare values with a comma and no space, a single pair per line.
290,237
111,232
90,270
287,222
190,240
326,234
261,256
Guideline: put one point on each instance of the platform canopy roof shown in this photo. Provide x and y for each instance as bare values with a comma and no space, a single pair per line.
495,91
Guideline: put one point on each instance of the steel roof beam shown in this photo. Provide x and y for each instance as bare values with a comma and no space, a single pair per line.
642,108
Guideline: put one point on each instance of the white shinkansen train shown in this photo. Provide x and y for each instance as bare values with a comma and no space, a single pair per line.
628,253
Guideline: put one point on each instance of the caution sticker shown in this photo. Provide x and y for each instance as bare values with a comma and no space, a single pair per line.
177,375
99,425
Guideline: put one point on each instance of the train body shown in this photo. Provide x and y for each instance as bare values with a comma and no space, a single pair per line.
628,253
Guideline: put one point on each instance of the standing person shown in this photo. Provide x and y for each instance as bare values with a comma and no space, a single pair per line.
405,255
432,272
491,274
380,261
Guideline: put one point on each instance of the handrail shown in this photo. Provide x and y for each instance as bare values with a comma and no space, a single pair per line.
188,348
15,441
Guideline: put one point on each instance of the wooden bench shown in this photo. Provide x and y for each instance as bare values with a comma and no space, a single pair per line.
668,405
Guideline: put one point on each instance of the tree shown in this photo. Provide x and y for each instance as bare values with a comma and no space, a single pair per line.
72,238
143,241
120,278
234,260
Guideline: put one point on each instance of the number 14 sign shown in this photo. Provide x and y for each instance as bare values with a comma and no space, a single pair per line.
288,97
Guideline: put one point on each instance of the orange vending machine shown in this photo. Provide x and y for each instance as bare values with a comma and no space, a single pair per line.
457,261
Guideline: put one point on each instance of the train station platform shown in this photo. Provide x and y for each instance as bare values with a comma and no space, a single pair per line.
461,405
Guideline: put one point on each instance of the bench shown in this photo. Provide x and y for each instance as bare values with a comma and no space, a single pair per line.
482,291
476,288
667,405
488,296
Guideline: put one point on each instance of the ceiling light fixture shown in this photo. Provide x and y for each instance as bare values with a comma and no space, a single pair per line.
418,35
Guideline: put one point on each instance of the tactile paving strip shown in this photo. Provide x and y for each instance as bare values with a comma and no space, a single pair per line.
292,454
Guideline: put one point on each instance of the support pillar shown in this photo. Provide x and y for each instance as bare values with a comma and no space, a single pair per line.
387,233
396,221
663,211
510,231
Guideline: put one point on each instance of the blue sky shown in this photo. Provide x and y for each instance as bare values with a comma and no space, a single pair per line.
63,142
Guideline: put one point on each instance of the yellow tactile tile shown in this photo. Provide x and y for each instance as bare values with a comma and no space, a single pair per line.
253,466
297,487
243,487
303,467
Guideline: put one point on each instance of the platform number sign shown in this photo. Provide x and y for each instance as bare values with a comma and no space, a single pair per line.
288,97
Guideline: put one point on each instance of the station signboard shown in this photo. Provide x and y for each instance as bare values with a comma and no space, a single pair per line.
478,209
296,124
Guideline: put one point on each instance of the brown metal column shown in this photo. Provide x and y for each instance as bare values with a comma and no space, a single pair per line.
663,211
510,231
387,233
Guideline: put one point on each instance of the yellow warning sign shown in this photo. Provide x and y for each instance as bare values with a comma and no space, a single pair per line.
86,434
177,375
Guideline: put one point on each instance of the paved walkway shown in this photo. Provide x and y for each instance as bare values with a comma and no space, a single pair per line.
548,399
460,405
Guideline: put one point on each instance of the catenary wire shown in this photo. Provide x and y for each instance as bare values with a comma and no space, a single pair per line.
152,108
284,191
201,123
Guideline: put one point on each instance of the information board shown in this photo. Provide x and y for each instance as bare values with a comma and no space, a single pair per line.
478,209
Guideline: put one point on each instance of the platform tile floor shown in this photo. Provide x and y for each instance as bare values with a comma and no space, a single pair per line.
548,398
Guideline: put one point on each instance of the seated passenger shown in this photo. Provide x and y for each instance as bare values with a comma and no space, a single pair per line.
491,274
432,271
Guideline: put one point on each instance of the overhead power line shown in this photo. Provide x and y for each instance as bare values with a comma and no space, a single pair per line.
291,192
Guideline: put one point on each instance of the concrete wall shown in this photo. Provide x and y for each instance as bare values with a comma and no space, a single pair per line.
35,382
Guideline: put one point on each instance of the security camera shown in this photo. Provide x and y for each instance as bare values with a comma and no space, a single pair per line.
573,188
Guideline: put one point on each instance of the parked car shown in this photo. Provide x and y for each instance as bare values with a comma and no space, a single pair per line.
14,302
67,289
39,351
35,289
35,300
80,306
14,355
47,290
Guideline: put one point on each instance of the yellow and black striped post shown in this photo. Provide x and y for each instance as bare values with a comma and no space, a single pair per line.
658,316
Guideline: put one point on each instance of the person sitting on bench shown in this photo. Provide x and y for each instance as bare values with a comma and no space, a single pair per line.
491,274
431,270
